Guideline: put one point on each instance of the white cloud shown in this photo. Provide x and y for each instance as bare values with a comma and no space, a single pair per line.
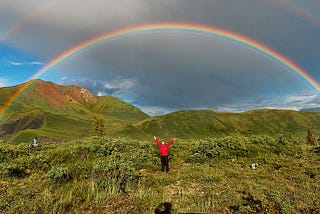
293,102
123,84
155,110
304,101
25,63
4,82
36,63
119,88
15,63
101,93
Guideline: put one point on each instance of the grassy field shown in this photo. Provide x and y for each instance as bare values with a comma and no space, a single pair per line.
121,175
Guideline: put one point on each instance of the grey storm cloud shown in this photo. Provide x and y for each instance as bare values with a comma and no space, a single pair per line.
170,70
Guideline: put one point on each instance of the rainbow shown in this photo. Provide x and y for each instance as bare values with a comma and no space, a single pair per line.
35,15
300,8
155,27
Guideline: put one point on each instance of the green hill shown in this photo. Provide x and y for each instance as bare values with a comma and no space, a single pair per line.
207,123
51,111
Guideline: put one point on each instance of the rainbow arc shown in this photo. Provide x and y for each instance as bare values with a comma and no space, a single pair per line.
159,27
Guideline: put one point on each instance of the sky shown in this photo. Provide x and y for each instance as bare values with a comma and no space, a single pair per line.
162,71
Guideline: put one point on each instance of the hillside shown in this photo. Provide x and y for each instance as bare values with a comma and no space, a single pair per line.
56,112
207,123
61,112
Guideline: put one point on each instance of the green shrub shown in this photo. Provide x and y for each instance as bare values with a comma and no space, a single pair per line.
289,150
115,174
244,147
8,153
40,161
220,149
59,174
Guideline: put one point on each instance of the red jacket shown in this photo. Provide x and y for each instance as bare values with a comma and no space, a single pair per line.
164,148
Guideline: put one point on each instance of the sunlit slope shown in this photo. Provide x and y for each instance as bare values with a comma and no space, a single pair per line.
114,107
207,123
63,112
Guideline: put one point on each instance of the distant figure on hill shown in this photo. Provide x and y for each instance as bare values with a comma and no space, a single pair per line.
164,153
35,141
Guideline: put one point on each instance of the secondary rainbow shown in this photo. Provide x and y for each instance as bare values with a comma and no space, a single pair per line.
302,9
183,27
42,10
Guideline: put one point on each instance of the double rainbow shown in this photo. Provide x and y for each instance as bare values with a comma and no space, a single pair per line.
158,27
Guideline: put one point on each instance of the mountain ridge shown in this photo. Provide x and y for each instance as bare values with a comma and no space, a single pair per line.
67,112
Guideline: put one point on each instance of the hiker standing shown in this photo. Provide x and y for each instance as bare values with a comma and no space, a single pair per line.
163,147
35,141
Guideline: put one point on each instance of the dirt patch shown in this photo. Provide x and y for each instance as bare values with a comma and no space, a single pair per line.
62,96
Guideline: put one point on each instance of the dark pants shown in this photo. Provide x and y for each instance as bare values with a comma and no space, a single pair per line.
164,163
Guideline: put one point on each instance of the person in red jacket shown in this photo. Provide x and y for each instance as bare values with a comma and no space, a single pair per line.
164,153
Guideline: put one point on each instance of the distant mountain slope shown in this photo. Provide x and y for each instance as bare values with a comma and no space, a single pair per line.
119,109
63,111
207,123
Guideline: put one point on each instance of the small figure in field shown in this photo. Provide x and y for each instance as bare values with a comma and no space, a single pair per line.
35,141
164,153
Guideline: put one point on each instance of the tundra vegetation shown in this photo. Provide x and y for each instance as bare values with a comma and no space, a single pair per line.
122,175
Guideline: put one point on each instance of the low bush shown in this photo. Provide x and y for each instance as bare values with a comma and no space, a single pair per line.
115,174
220,149
59,174
8,153
242,147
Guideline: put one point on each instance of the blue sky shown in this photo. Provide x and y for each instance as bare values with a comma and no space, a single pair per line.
16,65
167,71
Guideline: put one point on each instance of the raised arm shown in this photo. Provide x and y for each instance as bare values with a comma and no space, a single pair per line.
157,141
171,141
